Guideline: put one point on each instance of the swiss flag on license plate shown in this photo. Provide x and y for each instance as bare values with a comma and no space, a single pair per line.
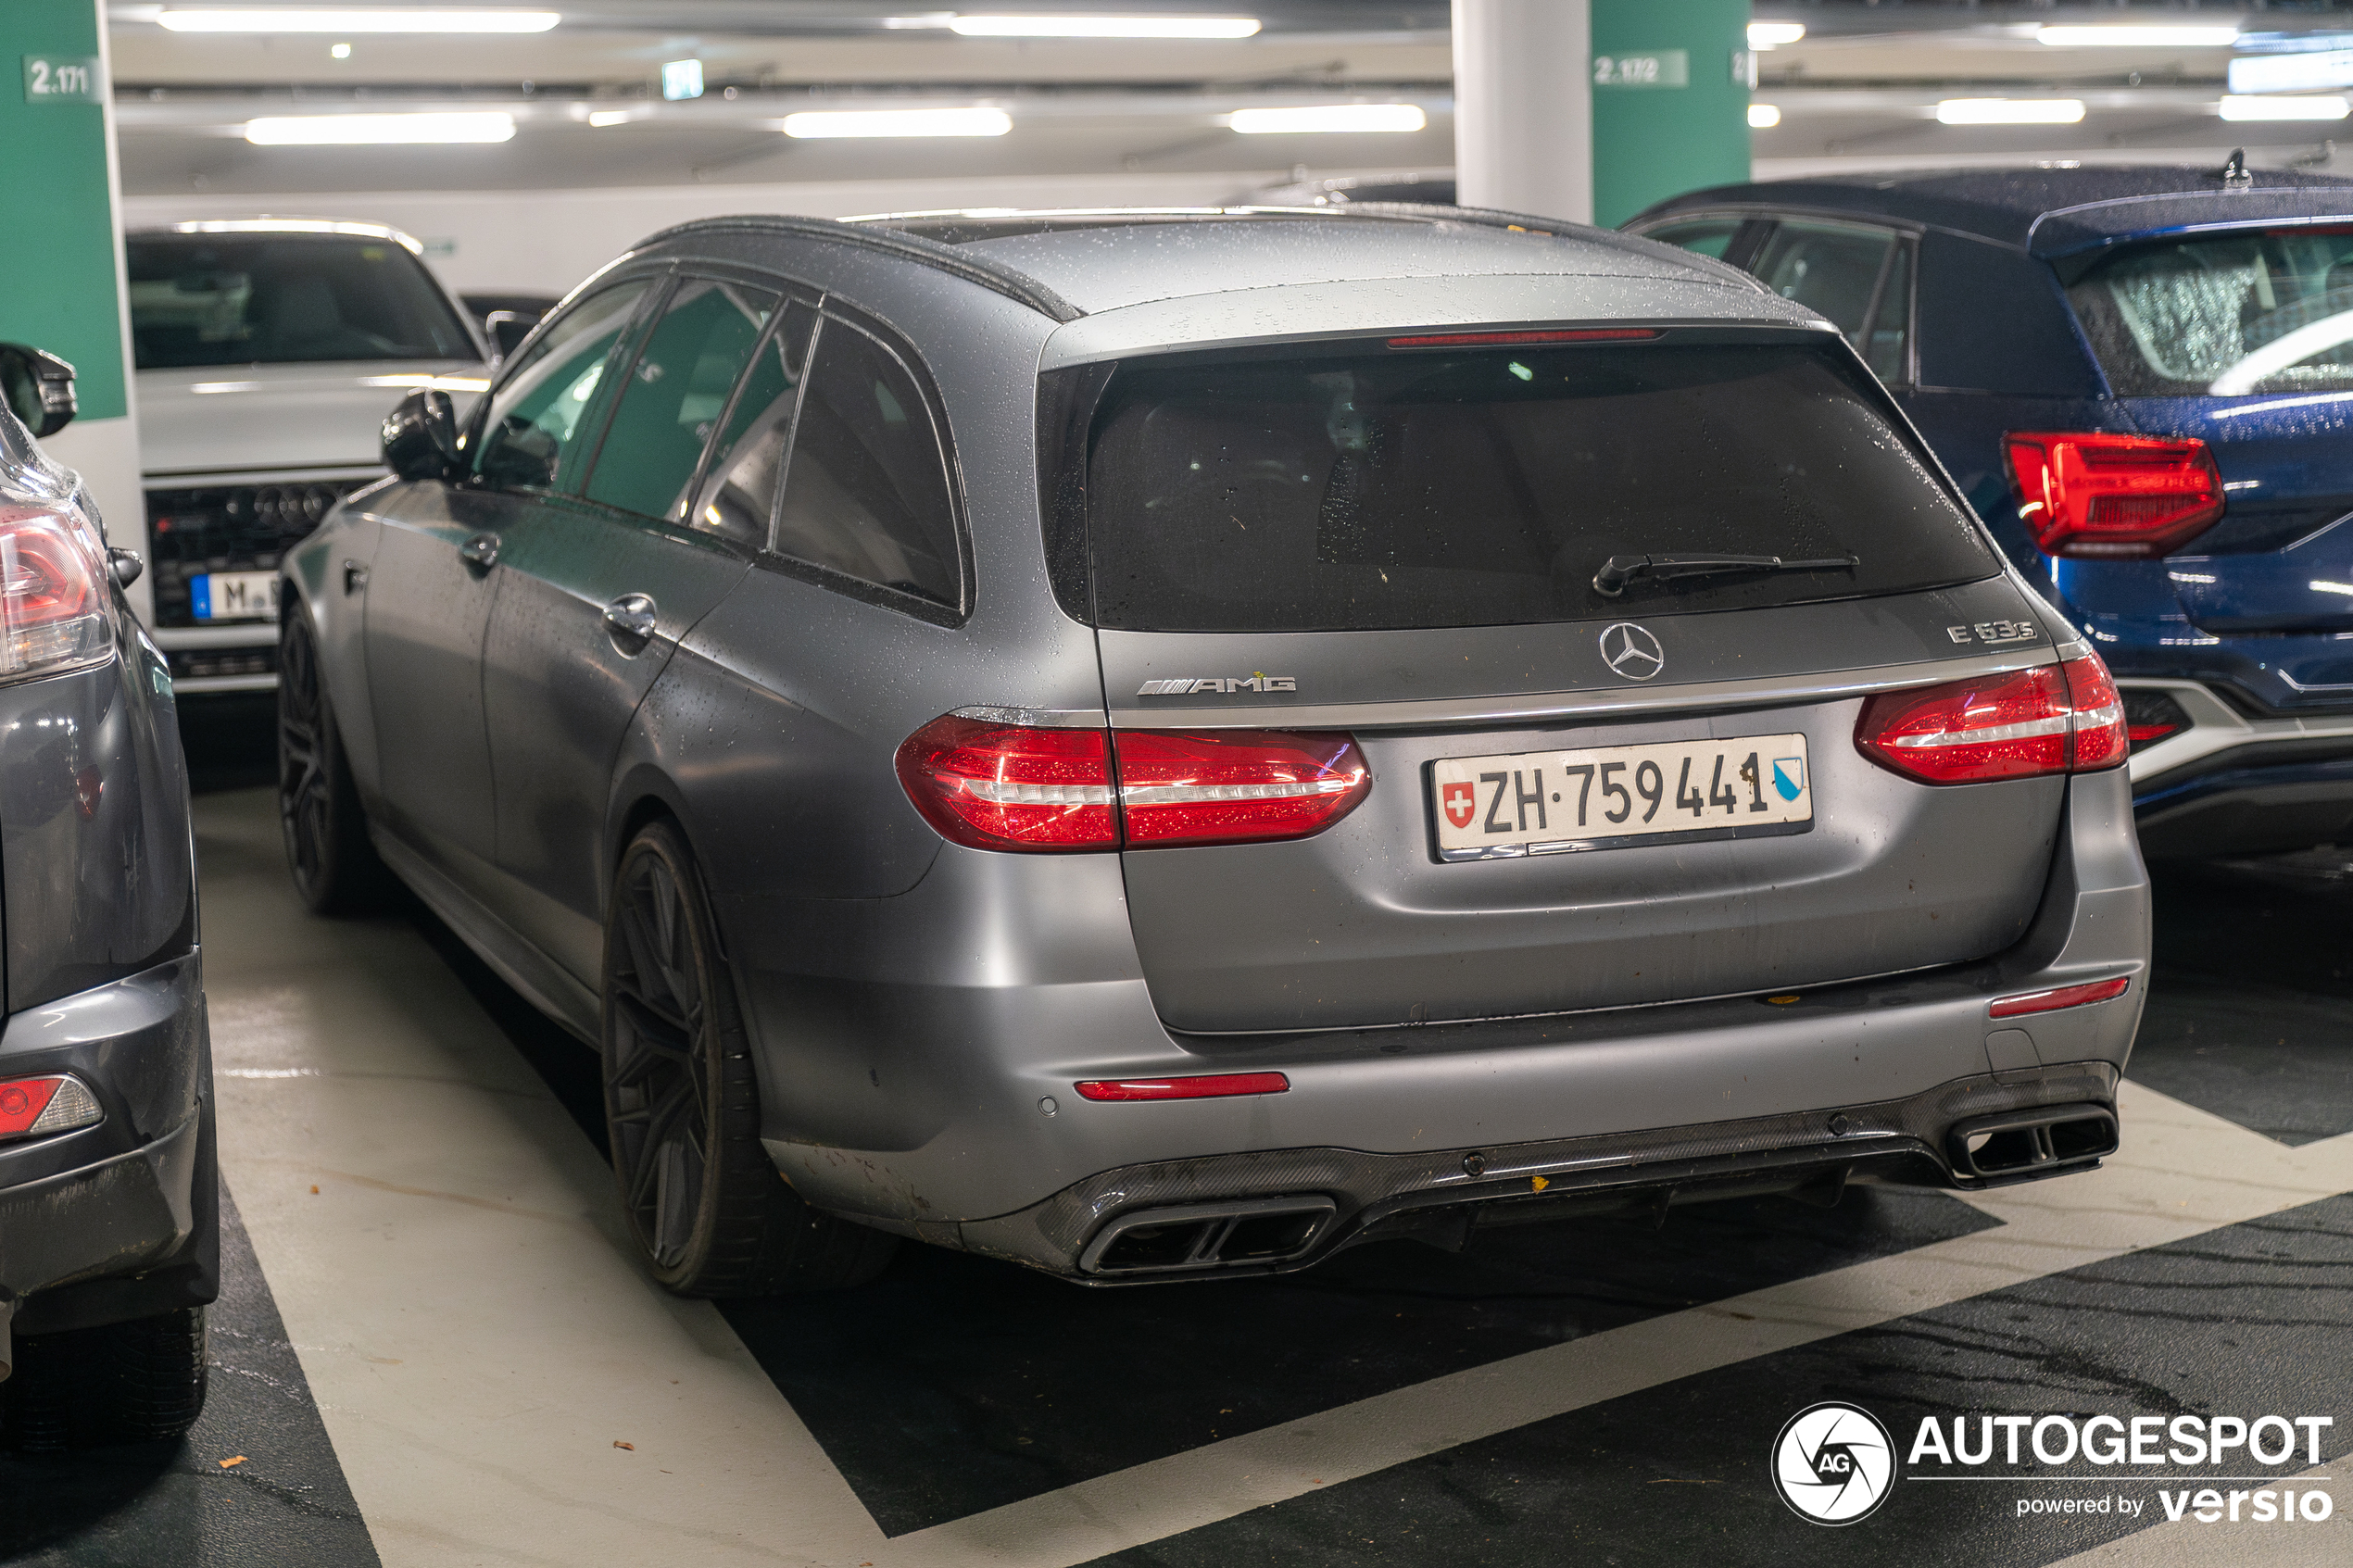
1461,804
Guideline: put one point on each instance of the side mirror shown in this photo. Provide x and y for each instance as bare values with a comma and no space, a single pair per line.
39,387
508,329
421,436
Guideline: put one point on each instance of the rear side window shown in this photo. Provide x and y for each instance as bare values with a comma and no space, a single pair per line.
1859,276
1703,236
1418,488
739,498
675,395
2223,315
867,491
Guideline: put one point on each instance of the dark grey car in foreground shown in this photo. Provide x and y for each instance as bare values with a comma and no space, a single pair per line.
109,1211
1153,744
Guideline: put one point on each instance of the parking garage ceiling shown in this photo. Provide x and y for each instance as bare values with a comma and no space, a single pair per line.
585,96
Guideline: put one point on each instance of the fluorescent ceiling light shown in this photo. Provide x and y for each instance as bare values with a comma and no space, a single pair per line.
897,122
602,118
2292,73
682,79
1327,116
407,19
2130,37
2332,107
377,129
1763,117
2009,111
1104,27
1772,35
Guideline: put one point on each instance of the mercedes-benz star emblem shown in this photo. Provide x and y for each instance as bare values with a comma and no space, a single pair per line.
1631,651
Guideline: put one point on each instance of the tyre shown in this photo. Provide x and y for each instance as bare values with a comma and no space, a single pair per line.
137,1382
682,1103
336,869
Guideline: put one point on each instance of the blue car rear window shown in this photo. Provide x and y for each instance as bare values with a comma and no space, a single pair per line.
1439,488
2225,315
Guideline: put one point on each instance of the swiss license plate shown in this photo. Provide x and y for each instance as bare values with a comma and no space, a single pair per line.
234,595
1618,796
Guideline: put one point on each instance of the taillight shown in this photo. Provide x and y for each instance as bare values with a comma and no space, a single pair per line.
993,785
32,1108
1011,786
1235,787
54,612
2053,719
2120,496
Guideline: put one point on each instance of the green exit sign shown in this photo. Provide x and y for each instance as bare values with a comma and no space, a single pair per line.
1655,68
61,79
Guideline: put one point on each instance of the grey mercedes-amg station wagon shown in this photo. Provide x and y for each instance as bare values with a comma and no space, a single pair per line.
1154,744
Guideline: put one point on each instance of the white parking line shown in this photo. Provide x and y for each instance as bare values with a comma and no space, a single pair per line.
441,1241
478,1339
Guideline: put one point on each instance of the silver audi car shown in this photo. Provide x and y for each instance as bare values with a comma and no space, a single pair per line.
1162,744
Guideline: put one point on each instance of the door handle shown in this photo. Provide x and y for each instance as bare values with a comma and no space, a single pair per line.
480,553
631,620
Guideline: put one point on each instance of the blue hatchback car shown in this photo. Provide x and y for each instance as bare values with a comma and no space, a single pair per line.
2142,380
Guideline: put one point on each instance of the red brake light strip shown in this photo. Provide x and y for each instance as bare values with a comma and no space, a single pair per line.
1212,1086
1513,340
2027,1002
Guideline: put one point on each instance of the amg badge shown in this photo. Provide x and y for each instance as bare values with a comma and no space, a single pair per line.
1218,684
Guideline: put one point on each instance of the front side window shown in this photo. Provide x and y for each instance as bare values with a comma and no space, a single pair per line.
280,299
1858,276
866,492
2223,315
536,412
674,396
1430,488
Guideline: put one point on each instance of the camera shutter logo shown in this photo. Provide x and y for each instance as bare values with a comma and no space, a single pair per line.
1629,650
1834,1464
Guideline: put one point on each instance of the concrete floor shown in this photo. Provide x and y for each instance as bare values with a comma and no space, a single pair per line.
432,1347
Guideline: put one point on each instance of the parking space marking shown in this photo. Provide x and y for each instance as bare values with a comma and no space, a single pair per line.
475,1331
2183,1172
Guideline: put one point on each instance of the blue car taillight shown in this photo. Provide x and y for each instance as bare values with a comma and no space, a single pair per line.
2127,497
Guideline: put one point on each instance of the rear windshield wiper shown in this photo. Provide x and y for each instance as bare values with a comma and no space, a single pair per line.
1619,570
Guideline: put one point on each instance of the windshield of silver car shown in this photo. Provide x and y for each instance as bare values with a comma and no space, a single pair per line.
280,298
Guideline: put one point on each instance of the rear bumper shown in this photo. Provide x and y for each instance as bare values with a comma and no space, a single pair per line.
963,1129
1344,1197
2229,785
118,1219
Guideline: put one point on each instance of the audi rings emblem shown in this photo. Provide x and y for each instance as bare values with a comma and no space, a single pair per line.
1631,651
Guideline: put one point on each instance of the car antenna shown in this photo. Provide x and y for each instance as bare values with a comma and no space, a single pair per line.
2234,172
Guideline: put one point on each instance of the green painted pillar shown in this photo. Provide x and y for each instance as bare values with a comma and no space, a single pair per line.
61,286
1670,100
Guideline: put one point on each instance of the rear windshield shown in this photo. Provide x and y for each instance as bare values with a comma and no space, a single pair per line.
2223,315
1412,488
275,299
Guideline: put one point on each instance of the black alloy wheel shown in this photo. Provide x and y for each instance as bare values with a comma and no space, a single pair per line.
334,867
682,1103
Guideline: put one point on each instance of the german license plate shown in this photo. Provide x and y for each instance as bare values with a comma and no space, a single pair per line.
1619,797
234,595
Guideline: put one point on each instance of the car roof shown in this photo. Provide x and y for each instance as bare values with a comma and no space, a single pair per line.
2053,209
331,226
1105,259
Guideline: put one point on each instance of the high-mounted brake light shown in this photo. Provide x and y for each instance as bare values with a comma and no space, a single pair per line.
1213,1086
1518,340
992,785
2053,719
54,606
2056,997
31,1108
2130,497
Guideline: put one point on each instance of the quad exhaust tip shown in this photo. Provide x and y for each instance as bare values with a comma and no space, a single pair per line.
2032,1142
1197,1238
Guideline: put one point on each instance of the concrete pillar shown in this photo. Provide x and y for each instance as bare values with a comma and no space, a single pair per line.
1523,107
1593,109
62,288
